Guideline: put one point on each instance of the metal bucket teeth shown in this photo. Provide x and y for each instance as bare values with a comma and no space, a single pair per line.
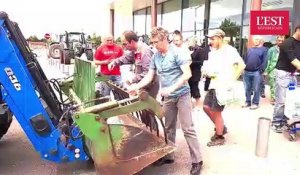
122,148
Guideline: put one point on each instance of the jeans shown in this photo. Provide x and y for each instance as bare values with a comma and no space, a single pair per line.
180,108
104,88
262,85
252,82
282,81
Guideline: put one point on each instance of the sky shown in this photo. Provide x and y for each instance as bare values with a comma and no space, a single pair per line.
37,17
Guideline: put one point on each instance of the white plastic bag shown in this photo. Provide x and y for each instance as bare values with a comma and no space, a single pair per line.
227,94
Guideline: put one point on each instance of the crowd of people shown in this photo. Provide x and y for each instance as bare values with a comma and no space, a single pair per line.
174,68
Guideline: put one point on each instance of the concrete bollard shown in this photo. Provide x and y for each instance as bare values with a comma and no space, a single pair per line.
262,138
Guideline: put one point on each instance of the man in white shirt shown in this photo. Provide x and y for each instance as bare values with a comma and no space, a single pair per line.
224,66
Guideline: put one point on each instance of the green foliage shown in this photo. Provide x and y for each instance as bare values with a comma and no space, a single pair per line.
96,40
230,28
33,38
118,41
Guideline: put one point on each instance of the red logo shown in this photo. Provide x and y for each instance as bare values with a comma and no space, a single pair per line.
269,22
137,55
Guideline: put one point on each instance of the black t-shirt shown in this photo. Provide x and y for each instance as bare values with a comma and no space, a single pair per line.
289,50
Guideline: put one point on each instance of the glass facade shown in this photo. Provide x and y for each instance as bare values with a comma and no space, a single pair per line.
139,18
188,17
171,16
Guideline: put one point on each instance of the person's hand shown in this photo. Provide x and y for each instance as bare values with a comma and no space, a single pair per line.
111,65
165,92
132,89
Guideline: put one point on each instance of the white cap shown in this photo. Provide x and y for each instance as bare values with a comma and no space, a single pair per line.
215,32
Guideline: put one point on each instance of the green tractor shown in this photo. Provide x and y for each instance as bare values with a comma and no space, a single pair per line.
71,45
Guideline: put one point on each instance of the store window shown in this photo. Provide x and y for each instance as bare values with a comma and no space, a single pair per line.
171,17
148,21
139,18
193,16
231,9
159,16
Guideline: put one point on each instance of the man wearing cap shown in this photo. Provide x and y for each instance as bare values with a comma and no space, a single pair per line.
288,63
224,66
256,62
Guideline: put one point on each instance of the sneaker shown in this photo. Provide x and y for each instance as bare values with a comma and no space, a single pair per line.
196,168
272,103
277,128
215,136
253,107
216,142
246,105
163,161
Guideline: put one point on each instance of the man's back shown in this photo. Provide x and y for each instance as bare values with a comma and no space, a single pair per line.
289,50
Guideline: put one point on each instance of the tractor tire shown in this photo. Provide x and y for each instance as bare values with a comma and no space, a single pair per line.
55,51
5,119
89,55
67,56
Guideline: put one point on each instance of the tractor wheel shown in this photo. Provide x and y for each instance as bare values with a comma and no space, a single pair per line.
67,56
89,55
55,51
5,119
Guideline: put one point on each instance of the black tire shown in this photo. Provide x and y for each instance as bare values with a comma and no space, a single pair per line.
5,119
66,57
89,55
55,51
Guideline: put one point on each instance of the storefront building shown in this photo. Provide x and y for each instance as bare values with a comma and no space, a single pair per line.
197,17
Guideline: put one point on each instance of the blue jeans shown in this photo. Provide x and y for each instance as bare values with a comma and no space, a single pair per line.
282,81
252,82
104,88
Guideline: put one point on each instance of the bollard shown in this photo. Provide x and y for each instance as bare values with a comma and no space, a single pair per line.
262,139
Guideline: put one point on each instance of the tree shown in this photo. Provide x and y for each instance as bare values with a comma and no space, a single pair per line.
230,28
96,40
33,38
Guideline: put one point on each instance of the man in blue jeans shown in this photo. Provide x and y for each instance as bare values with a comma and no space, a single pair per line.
172,65
256,62
288,63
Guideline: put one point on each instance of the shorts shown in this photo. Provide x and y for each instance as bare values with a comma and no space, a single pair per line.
211,101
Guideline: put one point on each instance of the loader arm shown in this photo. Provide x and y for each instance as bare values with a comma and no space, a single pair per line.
31,99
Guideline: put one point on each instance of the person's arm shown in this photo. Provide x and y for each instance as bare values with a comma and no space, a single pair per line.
124,59
238,69
269,57
186,75
97,62
99,57
238,65
296,63
145,64
144,82
288,47
264,61
183,60
147,79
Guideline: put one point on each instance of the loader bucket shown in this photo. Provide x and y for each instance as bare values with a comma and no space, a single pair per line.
121,147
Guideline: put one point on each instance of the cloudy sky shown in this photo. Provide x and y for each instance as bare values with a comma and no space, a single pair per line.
37,17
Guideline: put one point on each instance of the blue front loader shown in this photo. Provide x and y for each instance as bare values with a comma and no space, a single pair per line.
29,95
